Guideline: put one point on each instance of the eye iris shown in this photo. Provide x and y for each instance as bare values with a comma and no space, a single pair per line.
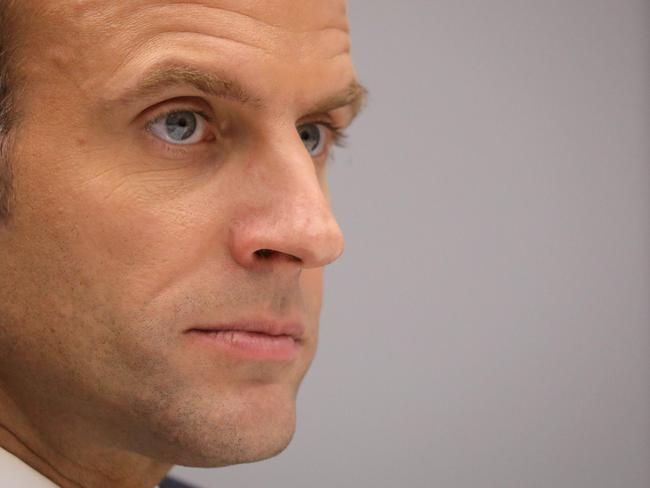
180,125
310,135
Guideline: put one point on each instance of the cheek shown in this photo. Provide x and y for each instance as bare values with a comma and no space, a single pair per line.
139,247
311,282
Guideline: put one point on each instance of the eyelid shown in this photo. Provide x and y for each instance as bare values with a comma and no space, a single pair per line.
338,134
165,113
189,102
335,126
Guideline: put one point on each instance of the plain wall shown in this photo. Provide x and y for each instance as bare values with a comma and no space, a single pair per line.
489,322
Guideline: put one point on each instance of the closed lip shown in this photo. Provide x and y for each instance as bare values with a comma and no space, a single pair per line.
294,329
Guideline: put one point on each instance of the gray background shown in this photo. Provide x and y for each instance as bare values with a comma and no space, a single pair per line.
489,323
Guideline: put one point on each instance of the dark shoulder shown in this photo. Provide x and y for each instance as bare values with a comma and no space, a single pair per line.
170,482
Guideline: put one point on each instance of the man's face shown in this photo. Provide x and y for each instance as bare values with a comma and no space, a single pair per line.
169,172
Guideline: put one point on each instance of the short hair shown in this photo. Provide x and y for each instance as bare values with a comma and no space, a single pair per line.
7,109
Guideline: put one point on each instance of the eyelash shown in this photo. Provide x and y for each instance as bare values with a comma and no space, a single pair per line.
339,136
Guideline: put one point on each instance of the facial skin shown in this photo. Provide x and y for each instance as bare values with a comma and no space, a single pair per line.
119,242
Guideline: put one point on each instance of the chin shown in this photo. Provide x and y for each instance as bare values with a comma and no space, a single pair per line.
246,446
226,431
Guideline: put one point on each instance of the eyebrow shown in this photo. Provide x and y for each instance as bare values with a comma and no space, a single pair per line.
353,95
162,77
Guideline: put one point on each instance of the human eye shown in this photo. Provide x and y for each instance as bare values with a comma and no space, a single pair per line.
317,136
180,127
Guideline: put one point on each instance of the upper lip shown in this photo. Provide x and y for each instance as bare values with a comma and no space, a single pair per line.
292,328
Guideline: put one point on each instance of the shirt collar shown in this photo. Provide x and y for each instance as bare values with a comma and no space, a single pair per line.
17,473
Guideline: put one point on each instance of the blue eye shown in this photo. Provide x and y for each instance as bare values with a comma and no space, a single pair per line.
181,127
313,136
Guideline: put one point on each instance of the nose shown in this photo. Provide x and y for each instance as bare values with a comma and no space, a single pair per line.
284,216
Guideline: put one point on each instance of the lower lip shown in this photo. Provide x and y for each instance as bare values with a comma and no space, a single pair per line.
250,345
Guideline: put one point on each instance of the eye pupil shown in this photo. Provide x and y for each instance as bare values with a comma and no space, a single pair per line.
310,134
180,125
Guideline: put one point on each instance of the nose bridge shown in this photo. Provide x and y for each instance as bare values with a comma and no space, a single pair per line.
287,211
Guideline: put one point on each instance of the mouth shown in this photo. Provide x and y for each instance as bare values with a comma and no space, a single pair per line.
259,340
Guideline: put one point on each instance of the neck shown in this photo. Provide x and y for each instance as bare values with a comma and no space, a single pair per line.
58,446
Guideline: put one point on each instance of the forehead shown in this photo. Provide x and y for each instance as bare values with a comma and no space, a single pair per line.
304,14
286,29
89,42
271,20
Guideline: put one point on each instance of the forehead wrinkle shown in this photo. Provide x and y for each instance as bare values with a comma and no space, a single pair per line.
244,22
274,39
230,18
256,19
101,10
150,22
274,10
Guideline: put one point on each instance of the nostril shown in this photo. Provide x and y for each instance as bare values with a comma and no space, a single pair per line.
264,253
270,254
